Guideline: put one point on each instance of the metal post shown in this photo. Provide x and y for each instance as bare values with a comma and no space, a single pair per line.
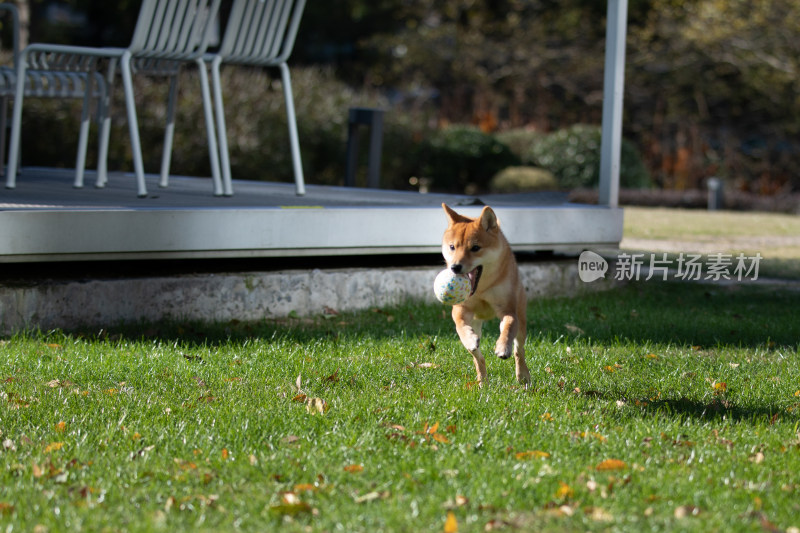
715,195
613,88
375,149
373,118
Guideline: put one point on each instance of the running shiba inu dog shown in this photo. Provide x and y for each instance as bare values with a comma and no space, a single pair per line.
477,248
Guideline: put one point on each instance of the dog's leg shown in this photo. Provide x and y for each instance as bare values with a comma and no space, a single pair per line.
509,328
523,374
469,331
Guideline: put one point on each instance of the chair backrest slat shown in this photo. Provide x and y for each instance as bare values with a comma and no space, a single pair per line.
173,29
249,26
157,38
261,32
266,26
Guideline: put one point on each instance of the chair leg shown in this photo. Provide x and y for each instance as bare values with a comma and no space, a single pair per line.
222,131
133,123
16,124
104,116
83,139
3,124
293,139
213,151
169,132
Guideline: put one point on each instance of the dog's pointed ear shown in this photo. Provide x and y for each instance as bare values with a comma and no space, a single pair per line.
454,217
489,219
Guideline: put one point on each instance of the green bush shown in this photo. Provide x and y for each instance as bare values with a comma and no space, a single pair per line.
523,179
460,157
573,156
520,140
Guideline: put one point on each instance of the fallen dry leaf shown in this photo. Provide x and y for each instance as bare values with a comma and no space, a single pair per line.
354,469
291,505
58,383
588,434
53,446
611,464
451,524
371,496
532,454
496,524
552,509
564,491
572,328
317,406
685,511
598,515
438,437
140,452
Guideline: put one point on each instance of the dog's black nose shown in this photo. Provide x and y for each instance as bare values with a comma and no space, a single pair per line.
456,268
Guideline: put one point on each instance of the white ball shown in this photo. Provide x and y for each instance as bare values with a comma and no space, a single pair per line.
451,288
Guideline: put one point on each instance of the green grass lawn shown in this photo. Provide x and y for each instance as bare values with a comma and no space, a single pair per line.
776,236
655,407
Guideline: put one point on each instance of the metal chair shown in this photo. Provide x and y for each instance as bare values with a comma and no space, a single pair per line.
168,32
259,33
75,78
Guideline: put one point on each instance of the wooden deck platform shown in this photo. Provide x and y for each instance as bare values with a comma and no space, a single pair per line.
45,219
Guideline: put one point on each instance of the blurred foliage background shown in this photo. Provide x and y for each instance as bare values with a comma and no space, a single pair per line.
474,87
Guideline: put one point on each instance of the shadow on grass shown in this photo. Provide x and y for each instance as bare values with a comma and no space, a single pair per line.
683,314
716,408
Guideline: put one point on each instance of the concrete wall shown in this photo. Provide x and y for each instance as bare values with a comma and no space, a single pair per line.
247,296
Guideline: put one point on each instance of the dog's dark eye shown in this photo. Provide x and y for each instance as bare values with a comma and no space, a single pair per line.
452,247
475,248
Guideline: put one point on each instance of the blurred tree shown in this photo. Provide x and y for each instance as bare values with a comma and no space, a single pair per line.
713,90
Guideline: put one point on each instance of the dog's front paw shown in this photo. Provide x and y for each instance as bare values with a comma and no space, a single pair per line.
504,350
523,376
472,344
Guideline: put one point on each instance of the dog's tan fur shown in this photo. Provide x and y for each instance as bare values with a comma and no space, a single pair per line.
471,243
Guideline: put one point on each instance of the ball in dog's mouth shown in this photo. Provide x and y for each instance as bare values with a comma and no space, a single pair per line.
474,277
